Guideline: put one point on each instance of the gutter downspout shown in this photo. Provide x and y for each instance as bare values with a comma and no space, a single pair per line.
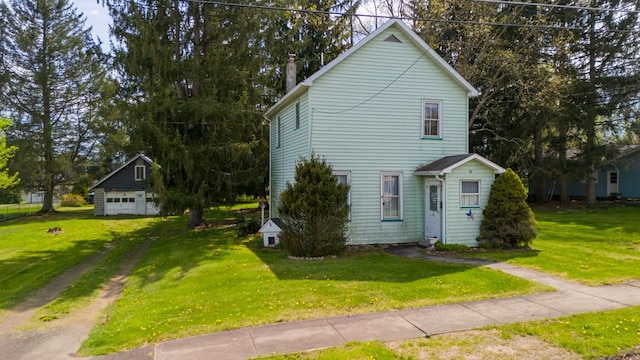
444,209
270,197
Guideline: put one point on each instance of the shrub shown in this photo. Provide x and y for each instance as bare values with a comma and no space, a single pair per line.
450,247
246,225
314,211
73,200
508,221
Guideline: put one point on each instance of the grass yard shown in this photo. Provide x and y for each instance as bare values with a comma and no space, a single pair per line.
585,336
594,247
14,210
30,256
206,281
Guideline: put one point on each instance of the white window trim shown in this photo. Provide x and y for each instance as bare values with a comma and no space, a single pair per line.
348,174
144,172
478,193
400,196
422,119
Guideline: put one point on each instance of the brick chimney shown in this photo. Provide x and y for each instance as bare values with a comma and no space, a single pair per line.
291,72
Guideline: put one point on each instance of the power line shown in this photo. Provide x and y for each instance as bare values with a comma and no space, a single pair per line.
390,17
573,7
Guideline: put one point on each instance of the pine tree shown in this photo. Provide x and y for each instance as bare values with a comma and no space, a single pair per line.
314,211
191,77
508,221
51,76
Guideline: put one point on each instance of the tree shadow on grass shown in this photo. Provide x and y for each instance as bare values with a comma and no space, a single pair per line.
47,270
365,265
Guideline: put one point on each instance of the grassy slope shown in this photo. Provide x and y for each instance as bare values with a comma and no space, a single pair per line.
594,247
198,282
30,257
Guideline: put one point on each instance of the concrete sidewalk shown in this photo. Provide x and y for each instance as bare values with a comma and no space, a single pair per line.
571,298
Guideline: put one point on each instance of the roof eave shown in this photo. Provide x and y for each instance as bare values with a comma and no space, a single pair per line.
289,97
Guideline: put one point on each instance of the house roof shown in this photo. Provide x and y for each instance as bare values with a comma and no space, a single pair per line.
139,156
304,86
447,164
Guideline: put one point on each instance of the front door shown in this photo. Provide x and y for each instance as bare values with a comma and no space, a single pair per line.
433,211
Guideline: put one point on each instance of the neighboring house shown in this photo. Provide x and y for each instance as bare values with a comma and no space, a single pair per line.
615,178
33,197
391,117
125,191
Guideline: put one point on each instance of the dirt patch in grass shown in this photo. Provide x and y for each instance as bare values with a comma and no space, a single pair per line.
481,344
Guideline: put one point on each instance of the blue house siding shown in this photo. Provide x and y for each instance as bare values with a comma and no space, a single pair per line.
627,170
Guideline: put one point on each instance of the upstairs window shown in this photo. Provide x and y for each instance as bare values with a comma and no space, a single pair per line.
141,172
297,115
431,119
470,193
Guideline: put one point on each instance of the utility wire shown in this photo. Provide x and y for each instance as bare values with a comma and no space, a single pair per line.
389,17
573,7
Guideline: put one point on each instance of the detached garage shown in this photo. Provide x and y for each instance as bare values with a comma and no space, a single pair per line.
124,191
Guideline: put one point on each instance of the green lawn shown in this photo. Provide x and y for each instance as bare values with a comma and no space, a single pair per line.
13,210
194,282
206,281
30,256
594,247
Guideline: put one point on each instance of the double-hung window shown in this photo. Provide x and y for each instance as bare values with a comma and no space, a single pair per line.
344,177
391,194
279,132
470,193
431,119
140,172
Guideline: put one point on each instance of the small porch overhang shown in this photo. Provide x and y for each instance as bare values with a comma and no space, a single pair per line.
447,164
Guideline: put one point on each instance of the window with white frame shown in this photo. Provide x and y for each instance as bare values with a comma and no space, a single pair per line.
470,193
431,119
140,172
344,177
279,132
391,193
297,115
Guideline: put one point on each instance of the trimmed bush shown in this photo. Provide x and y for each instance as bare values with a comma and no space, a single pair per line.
508,221
314,211
246,225
73,200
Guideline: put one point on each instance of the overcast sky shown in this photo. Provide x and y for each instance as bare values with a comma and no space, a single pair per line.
97,17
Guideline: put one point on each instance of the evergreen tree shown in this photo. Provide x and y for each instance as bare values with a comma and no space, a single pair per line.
508,221
314,211
51,77
192,83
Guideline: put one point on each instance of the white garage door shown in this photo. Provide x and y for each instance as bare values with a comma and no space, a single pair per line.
120,203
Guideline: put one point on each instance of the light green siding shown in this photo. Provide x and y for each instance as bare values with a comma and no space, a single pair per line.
364,115
367,118
460,229
294,144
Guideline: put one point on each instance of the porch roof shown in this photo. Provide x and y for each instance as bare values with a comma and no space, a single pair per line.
447,164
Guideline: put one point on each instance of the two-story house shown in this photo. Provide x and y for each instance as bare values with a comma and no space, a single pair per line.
125,190
391,117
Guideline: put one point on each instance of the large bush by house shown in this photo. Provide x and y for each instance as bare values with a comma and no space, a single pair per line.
508,221
314,211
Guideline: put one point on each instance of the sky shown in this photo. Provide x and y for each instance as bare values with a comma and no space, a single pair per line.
97,17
